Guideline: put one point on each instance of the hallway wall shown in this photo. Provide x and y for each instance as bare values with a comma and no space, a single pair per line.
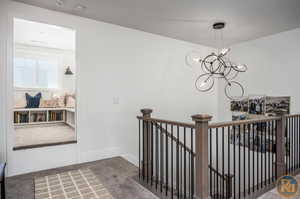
120,71
3,39
273,69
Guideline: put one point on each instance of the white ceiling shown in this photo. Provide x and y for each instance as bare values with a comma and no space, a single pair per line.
190,20
43,35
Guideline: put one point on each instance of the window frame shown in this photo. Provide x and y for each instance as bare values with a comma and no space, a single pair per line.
37,53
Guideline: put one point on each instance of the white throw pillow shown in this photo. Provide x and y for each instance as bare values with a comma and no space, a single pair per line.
70,102
20,102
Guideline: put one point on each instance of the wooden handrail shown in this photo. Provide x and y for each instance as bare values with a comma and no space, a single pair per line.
181,124
240,122
293,115
216,124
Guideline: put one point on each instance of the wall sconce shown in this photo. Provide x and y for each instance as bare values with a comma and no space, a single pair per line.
68,71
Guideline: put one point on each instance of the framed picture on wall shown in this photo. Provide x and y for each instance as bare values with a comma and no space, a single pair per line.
257,104
239,105
275,104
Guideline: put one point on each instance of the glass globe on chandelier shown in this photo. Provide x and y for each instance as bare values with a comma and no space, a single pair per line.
218,66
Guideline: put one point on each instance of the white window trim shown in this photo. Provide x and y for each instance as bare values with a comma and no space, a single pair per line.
33,52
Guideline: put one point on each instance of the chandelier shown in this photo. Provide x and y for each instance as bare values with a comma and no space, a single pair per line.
218,66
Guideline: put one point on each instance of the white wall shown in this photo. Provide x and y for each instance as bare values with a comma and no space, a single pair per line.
137,69
273,69
3,50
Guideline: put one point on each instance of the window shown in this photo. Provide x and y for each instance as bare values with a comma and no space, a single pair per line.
35,73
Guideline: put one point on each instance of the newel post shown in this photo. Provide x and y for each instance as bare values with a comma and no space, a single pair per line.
201,161
146,161
281,144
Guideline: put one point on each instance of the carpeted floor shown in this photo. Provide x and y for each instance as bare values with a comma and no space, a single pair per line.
43,134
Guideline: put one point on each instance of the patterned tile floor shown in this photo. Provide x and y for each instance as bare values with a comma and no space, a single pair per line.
273,194
116,175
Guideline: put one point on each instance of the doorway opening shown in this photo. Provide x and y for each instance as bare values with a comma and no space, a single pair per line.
44,79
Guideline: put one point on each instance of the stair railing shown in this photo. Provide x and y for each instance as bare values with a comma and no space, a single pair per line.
174,155
197,160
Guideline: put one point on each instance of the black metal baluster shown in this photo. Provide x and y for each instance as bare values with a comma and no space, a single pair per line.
181,167
223,174
184,163
265,155
234,162
210,160
253,162
276,137
161,157
152,151
229,160
287,131
192,163
240,139
296,143
270,151
293,139
244,167
217,159
177,163
189,182
139,148
156,155
167,160
261,155
257,151
172,154
291,144
249,169
273,150
143,151
147,149
289,147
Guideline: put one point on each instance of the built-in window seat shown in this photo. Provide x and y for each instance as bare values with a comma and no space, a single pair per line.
32,116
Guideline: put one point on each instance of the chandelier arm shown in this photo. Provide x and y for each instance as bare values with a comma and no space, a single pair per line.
210,87
202,60
231,97
226,79
240,70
